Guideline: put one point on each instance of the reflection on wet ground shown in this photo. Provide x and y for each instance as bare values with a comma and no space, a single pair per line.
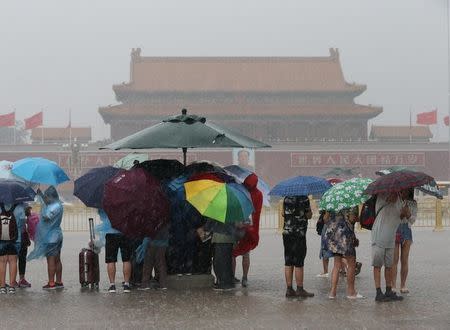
261,305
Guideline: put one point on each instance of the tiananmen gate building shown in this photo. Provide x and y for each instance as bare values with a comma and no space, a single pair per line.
292,99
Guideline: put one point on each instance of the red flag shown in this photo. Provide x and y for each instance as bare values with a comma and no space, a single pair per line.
427,118
446,120
34,121
8,120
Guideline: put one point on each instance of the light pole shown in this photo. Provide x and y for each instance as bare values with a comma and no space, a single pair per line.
448,81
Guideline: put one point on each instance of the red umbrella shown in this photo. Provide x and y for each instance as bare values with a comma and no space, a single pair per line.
135,203
334,181
397,181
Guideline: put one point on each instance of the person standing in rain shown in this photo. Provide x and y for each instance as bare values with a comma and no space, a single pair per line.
115,240
403,241
10,243
390,209
251,236
339,241
296,212
49,237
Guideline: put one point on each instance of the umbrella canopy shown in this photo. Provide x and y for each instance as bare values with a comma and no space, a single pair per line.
225,202
163,169
136,203
185,131
345,195
39,170
301,186
89,188
430,188
397,181
241,173
5,171
127,162
12,192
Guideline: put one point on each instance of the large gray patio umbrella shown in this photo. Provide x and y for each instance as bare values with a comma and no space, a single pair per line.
185,131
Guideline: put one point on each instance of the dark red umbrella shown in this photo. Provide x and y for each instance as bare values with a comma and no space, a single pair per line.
397,181
135,203
334,181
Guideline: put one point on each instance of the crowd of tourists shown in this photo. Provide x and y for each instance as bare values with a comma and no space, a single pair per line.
215,246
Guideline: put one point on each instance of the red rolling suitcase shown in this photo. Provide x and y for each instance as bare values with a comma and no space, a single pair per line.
88,263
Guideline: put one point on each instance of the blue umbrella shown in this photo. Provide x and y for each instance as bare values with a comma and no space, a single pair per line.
39,170
241,173
301,186
89,187
12,192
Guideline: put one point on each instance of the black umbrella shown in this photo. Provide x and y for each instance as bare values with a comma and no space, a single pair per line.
89,188
185,131
162,169
12,192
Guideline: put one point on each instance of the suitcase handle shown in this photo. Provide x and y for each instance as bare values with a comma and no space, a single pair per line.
91,230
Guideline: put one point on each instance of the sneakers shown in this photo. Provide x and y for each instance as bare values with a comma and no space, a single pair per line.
23,283
223,288
236,280
392,296
3,290
244,282
15,284
126,288
49,286
59,285
144,287
381,297
303,293
290,293
322,275
12,289
112,289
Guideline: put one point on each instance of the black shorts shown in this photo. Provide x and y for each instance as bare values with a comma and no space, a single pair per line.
294,250
114,242
8,248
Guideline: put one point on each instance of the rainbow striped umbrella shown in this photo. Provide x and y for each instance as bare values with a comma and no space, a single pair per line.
222,201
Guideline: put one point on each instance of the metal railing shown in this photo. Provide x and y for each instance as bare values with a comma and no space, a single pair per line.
432,213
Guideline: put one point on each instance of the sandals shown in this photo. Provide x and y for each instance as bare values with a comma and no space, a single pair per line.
357,296
404,291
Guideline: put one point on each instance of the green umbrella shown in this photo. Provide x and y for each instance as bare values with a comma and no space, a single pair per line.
345,195
185,131
127,162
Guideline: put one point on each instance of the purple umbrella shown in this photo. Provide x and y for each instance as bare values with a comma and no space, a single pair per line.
136,203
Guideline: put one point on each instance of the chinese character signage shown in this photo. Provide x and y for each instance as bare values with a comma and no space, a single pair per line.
305,159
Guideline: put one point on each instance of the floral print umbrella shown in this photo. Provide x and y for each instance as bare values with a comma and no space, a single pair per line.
345,195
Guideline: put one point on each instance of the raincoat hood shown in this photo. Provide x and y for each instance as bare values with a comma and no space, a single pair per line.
51,194
251,182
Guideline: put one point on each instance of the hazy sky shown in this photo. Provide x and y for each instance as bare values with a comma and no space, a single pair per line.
57,55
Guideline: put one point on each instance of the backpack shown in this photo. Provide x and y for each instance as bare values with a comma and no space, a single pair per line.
368,213
320,224
8,225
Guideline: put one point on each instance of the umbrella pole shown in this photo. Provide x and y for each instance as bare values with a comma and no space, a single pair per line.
184,156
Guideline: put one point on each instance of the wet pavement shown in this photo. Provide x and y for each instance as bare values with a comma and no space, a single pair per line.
261,305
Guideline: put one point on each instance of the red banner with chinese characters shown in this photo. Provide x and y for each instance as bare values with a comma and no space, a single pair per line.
8,120
300,159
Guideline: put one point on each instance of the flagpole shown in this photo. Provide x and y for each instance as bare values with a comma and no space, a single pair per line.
410,125
448,82
70,127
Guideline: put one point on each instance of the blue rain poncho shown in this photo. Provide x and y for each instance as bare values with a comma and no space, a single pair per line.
103,229
49,235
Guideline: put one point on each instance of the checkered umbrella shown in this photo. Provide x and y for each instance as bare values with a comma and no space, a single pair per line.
397,181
